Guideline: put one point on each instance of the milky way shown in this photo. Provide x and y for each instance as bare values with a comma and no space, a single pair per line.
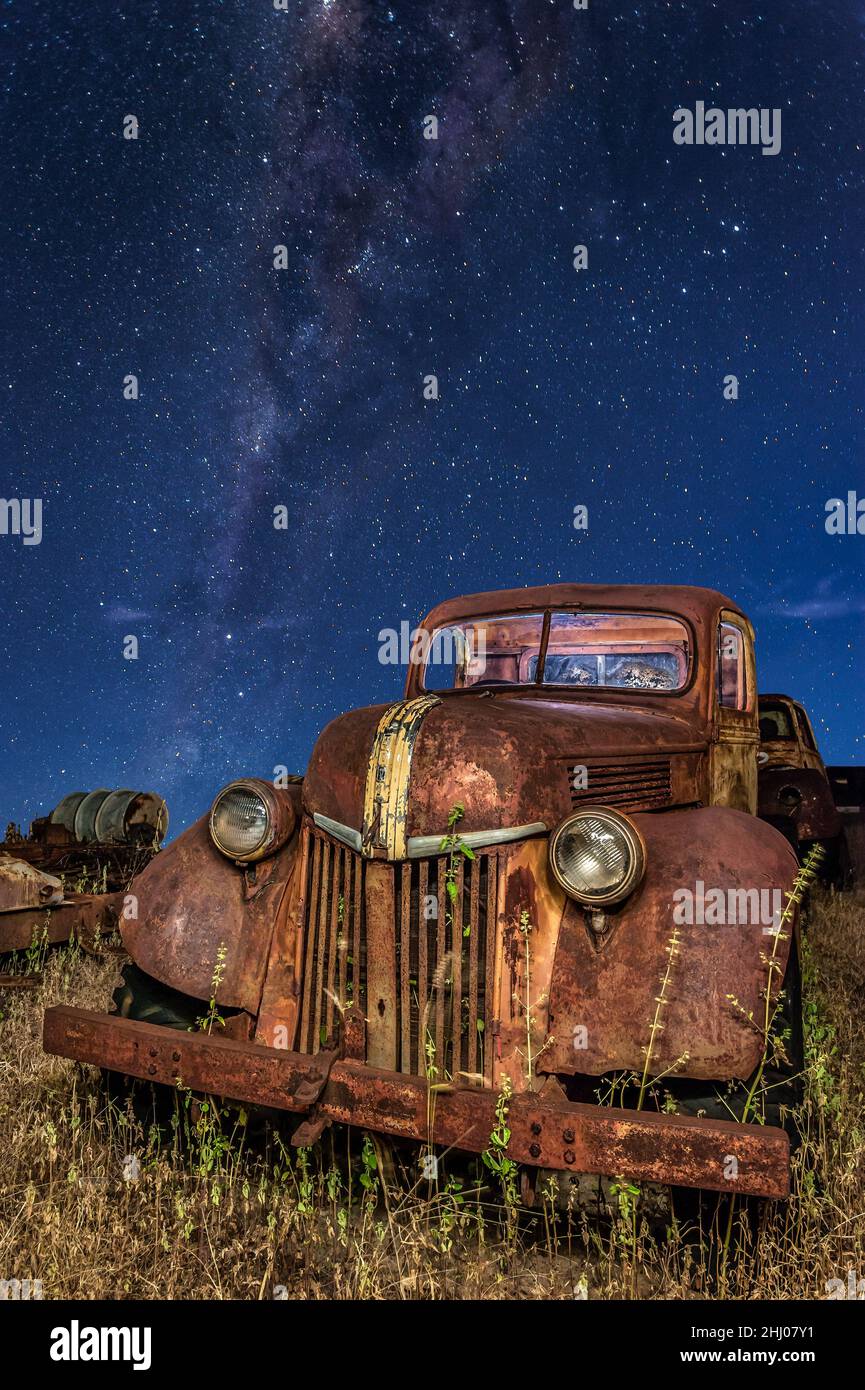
407,257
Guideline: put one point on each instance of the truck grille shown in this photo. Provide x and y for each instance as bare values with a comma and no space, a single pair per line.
439,968
637,786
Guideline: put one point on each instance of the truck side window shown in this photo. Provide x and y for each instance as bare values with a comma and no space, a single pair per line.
732,688
805,730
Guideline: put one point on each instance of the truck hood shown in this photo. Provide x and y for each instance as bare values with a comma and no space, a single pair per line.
506,759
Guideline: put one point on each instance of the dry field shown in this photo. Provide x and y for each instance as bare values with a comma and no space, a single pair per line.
96,1206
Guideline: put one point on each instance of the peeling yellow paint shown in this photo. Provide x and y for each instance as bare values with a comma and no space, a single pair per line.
385,804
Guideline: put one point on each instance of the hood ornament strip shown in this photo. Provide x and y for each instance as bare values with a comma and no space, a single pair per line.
422,846
385,805
344,833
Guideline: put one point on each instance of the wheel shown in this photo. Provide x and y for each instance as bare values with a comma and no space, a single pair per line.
146,1000
152,1104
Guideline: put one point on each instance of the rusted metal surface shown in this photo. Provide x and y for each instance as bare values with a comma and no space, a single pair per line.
642,785
104,816
87,917
191,900
848,790
602,992
399,951
222,1066
797,750
22,886
381,1009
735,733
386,794
799,798
20,983
279,1013
102,835
505,753
528,913
127,816
348,932
794,791
100,838
19,930
390,940
567,1136
506,758
544,1133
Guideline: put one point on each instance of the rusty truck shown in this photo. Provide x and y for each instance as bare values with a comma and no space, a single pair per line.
536,882
796,792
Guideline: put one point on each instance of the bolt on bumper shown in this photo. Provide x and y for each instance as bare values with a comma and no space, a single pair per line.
546,1133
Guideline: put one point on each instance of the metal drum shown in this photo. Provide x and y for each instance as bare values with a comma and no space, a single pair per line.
146,819
64,814
119,817
110,822
85,816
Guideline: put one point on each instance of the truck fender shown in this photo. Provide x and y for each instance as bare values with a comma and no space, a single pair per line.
191,905
604,989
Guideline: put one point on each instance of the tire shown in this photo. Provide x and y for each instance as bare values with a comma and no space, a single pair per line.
152,1104
146,1000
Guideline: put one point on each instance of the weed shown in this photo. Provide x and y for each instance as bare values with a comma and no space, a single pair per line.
229,1214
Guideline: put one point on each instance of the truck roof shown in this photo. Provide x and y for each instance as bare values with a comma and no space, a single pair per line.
684,599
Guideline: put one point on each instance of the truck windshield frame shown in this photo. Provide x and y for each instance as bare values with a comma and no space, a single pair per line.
580,651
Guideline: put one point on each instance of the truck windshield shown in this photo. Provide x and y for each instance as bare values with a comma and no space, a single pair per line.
634,651
775,722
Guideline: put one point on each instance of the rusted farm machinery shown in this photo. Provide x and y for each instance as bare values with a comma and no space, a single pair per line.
68,875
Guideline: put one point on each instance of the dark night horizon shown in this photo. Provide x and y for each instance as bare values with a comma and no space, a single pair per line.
406,257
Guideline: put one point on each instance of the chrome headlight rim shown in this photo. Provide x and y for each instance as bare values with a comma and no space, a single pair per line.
636,846
256,787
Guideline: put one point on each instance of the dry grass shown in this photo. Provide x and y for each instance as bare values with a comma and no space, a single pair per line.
229,1214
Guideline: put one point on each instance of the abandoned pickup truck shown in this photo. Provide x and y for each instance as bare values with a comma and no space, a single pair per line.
539,870
793,789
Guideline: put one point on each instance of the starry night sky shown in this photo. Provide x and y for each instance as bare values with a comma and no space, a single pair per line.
304,387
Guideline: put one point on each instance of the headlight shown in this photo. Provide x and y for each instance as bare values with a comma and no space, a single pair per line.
250,819
790,798
597,855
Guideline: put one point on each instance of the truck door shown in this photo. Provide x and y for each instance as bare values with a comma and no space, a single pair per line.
736,740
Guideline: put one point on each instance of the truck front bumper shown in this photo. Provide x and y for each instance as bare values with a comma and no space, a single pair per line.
545,1132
